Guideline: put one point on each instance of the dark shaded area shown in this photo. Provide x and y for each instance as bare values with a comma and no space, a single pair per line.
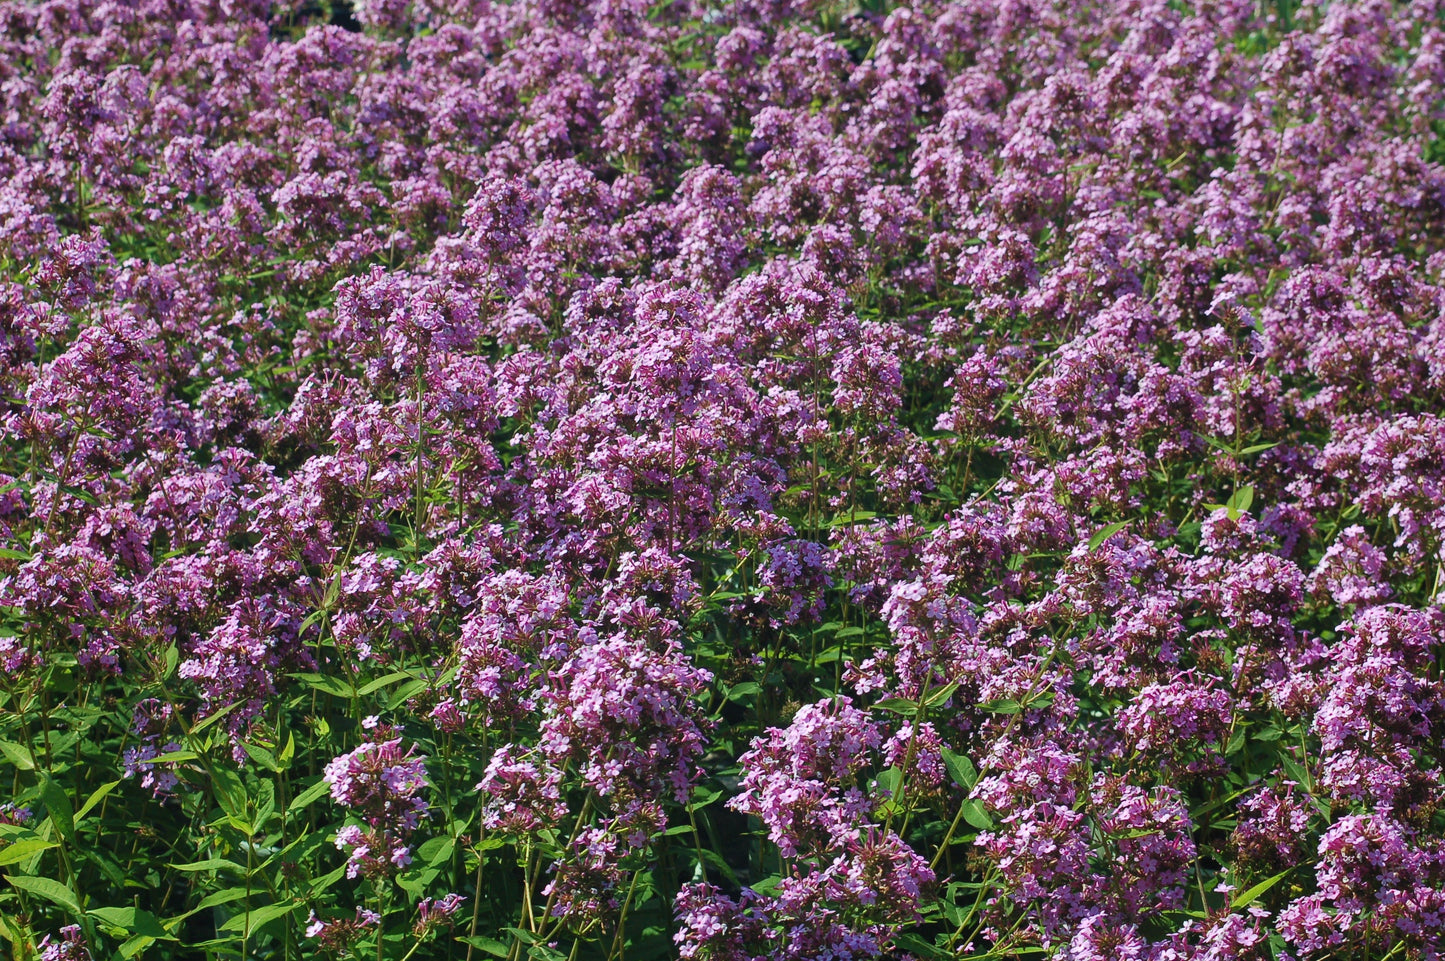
338,13
342,14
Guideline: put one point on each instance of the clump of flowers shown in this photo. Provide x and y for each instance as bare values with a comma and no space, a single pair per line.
381,784
433,914
802,479
340,934
14,815
70,946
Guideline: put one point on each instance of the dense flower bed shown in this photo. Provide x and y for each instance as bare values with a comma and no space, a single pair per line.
731,480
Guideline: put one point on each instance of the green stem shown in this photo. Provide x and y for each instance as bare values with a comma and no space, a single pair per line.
622,918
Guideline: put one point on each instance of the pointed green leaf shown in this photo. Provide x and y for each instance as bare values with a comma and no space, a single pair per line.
1104,533
379,683
1249,897
136,945
18,755
306,797
961,769
230,792
49,889
258,916
132,921
261,756
24,850
95,798
740,691
941,695
325,683
975,814
210,864
57,805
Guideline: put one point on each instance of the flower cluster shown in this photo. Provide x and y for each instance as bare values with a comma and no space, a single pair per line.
71,946
800,479
380,784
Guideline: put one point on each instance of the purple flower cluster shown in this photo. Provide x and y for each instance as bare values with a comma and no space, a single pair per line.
380,784
803,480
341,933
71,946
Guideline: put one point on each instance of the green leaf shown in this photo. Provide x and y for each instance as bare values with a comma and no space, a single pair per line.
404,693
497,949
311,620
1041,700
1239,502
132,921
415,883
326,684
80,494
215,717
544,952
434,851
898,705
49,889
18,755
716,862
960,768
57,804
739,691
975,814
95,798
1198,814
1295,770
306,797
210,864
327,880
381,682
851,518
256,917
11,554
333,591
941,695
919,947
24,849
221,897
261,756
1005,705
1249,897
209,901
230,792
136,945
767,885
1104,533
265,806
